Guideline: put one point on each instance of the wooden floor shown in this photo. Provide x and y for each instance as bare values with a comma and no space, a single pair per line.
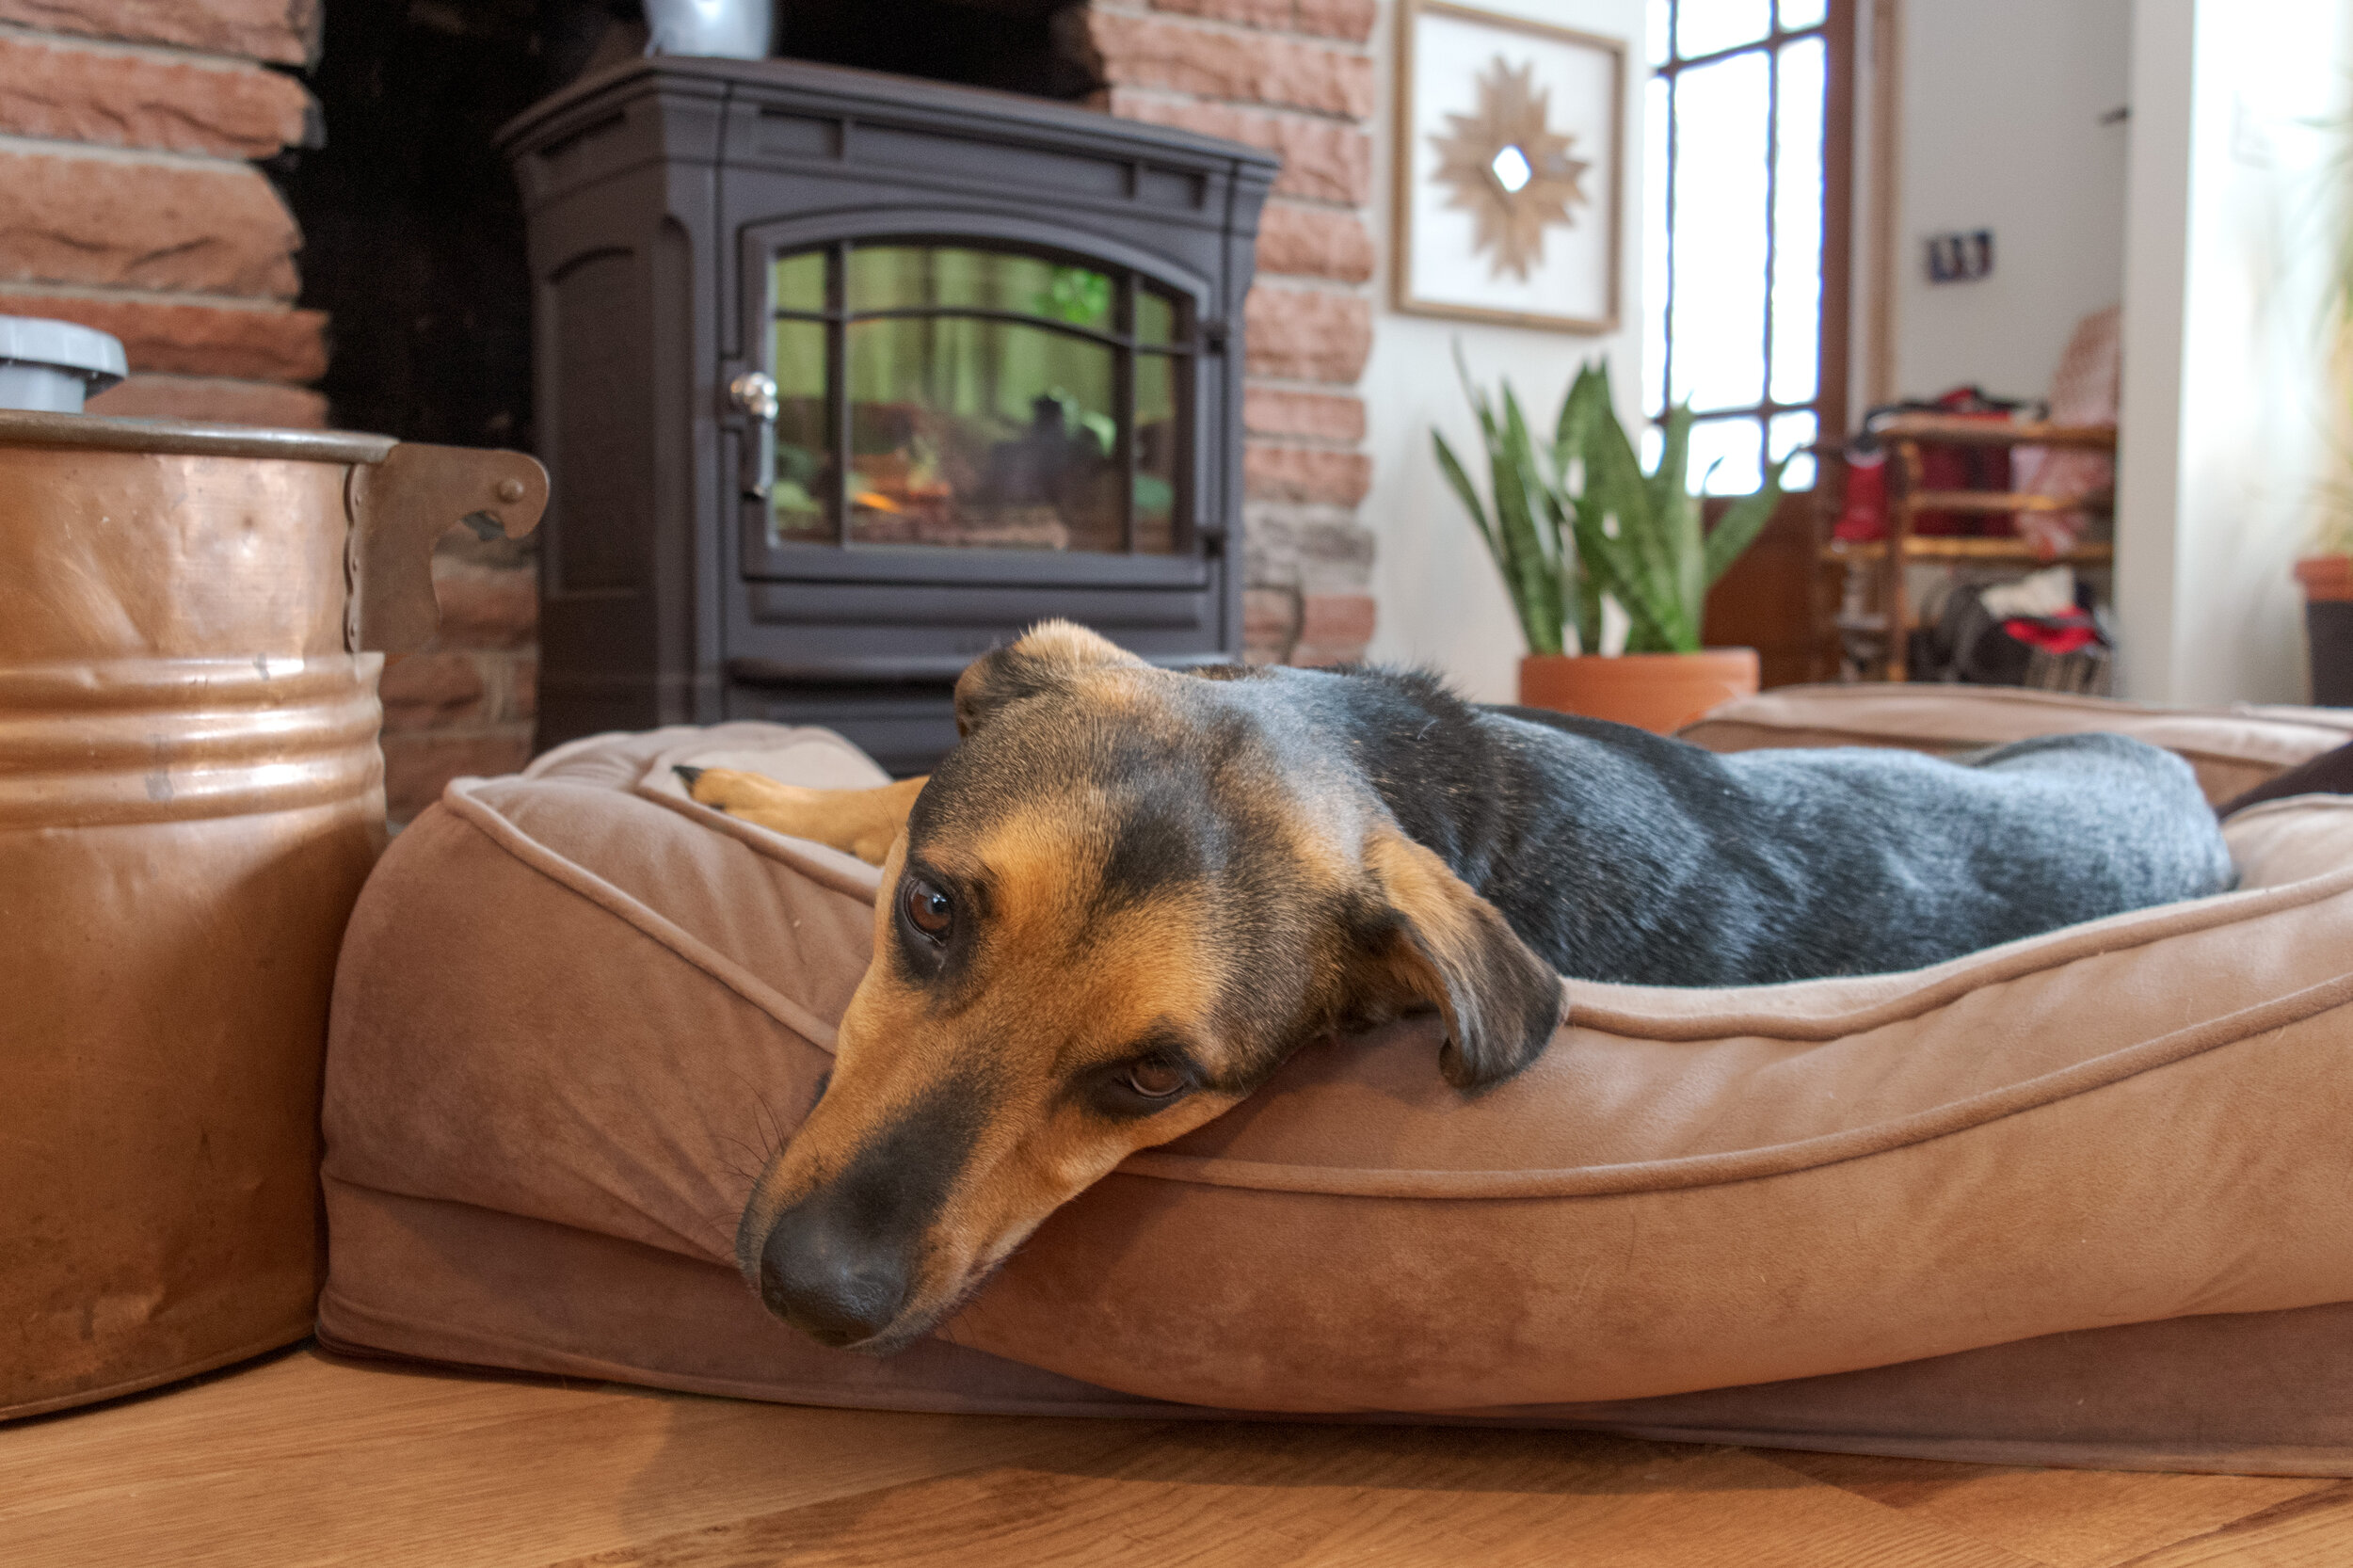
305,1459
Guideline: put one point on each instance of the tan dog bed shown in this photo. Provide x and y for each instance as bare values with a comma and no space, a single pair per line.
2083,1199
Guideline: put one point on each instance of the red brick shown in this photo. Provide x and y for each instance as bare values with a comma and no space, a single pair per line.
269,404
1342,19
1315,242
1138,51
1322,160
430,691
1250,14
1304,473
131,222
1268,624
417,768
1303,335
130,97
283,31
1336,621
1268,411
485,608
1350,19
264,343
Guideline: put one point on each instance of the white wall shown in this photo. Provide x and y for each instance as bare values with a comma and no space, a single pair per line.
2000,106
1441,602
2240,146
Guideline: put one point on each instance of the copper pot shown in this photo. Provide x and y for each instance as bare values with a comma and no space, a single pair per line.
192,622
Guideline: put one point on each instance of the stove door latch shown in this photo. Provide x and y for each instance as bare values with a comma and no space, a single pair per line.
754,394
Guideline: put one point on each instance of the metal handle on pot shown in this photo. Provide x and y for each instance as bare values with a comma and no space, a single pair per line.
400,506
755,394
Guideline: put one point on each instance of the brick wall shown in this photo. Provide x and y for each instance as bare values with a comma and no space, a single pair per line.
1295,77
129,200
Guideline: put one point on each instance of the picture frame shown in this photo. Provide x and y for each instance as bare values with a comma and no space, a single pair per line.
1510,162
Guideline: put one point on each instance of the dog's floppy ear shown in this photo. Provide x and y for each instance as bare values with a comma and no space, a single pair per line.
1040,659
1448,946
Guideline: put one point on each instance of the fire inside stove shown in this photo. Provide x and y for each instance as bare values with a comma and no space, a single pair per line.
952,394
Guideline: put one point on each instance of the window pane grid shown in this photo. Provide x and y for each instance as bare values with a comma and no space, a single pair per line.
1791,45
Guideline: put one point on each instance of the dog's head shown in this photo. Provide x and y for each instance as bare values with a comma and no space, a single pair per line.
1118,906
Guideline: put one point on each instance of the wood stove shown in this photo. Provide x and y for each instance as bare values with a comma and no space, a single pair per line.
844,378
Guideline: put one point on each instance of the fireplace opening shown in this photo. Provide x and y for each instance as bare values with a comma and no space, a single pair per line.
1013,45
976,396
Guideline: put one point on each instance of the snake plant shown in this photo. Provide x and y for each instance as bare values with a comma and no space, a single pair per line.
1576,519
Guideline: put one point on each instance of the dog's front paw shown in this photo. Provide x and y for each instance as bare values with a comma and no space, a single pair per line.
739,794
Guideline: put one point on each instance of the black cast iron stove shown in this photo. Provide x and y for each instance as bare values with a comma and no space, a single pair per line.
843,378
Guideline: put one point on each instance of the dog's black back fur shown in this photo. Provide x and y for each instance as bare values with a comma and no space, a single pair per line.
1622,856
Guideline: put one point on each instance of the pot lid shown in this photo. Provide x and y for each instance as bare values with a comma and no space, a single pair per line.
95,356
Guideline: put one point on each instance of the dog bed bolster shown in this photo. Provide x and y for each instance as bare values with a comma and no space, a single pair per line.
576,1011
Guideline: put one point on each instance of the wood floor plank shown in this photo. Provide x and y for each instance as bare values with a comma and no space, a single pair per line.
2065,1518
1193,1496
2312,1531
307,1461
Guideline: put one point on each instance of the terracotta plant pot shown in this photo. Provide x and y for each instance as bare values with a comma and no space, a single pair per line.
1659,691
2328,626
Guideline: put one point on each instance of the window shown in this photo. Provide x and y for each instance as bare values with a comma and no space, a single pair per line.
939,394
1746,215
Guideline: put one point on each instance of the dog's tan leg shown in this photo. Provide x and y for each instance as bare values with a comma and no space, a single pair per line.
859,821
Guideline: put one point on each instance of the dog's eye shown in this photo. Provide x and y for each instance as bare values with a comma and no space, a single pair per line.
1154,1080
929,910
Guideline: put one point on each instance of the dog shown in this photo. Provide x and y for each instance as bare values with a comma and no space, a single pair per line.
1130,893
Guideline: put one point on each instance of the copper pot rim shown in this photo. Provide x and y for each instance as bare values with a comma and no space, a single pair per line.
186,438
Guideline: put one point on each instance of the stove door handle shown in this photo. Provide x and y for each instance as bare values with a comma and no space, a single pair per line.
754,393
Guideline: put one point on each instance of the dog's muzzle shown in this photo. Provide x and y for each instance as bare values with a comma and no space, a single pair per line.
835,1287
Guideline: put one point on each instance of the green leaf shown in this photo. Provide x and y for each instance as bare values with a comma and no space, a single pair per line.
1588,395
1524,521
1534,572
1478,398
1587,608
1624,535
1451,466
1616,568
1679,513
1741,524
1581,582
1642,565
1671,479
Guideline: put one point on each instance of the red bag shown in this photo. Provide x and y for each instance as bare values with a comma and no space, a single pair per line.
1947,466
1864,514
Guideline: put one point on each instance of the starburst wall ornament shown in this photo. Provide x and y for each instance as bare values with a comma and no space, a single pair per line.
1510,170
1509,177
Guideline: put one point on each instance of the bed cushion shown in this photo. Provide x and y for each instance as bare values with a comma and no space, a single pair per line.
2233,749
2072,1200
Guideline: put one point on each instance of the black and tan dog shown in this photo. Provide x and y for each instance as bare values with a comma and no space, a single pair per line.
1130,894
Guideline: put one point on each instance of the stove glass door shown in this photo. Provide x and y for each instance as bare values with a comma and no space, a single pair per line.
961,395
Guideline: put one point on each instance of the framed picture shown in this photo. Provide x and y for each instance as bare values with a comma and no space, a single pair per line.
1510,166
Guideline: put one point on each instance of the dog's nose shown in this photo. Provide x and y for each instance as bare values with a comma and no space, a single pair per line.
827,1285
